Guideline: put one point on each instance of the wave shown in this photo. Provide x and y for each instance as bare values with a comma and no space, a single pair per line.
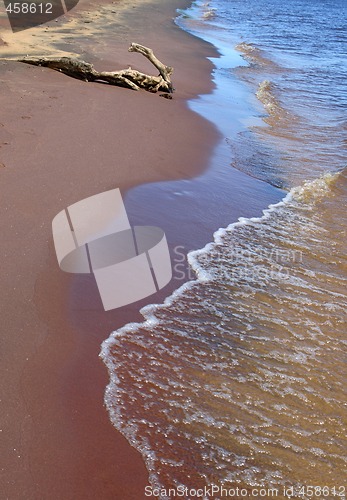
209,14
266,94
256,57
139,350
309,193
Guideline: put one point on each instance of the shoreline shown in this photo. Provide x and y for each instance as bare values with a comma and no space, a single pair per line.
58,437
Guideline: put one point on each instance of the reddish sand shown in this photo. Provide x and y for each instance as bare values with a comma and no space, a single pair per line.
62,140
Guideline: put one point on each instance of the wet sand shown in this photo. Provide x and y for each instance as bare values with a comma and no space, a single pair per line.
61,141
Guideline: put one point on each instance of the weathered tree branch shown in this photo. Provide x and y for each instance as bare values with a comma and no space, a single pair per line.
129,78
165,71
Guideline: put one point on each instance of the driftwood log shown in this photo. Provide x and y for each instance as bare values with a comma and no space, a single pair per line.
129,78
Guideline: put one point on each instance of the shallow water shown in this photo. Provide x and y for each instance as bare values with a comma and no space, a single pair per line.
239,377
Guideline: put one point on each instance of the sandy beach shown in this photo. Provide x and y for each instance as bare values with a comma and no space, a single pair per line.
63,140
236,379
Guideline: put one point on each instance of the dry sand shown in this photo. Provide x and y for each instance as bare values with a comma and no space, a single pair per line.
62,140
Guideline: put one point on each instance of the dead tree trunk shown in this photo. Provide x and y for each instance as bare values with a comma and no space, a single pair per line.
164,71
129,78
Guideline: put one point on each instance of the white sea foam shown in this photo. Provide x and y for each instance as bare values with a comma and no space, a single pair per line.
308,192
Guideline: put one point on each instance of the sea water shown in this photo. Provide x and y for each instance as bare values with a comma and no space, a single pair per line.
239,378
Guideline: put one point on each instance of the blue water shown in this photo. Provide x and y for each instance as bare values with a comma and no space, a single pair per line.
300,49
238,379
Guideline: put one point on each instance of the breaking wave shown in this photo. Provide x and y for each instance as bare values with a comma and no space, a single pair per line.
189,384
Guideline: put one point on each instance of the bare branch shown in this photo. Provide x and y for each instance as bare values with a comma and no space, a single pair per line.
165,71
129,78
